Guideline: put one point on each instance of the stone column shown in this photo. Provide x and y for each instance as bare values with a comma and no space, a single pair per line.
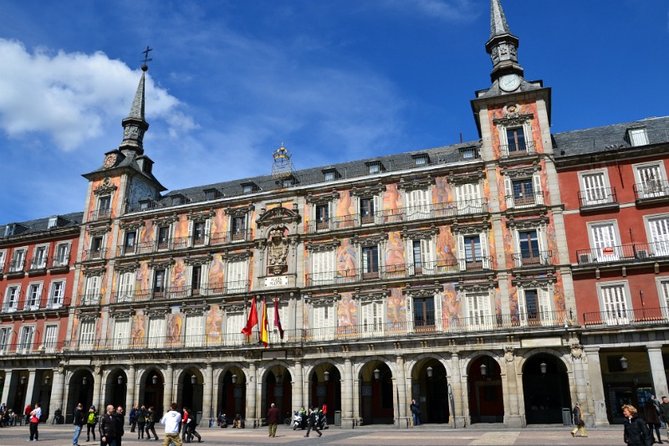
7,386
30,388
57,388
207,408
251,396
347,396
401,399
298,385
579,387
167,388
97,389
130,389
510,383
596,394
459,392
657,370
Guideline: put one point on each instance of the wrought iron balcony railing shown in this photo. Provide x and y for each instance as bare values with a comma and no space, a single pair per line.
525,148
532,259
652,189
626,316
623,253
600,197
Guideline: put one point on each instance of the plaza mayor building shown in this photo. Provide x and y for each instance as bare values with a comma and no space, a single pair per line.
495,281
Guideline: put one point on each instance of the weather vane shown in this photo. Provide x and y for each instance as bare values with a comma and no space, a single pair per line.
146,58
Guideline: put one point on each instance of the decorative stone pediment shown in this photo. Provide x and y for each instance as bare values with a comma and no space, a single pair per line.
419,234
322,246
545,280
277,250
513,118
322,198
470,227
527,223
370,295
131,225
240,211
278,215
126,267
415,183
234,308
194,310
368,191
369,240
423,290
106,188
464,177
322,301
156,311
117,313
521,172
477,287
236,256
161,263
97,270
165,220
98,230
198,260
86,316
201,216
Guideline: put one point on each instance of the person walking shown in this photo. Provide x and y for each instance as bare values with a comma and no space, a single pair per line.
184,423
415,412
635,432
78,421
91,421
652,412
172,420
141,421
119,420
192,432
273,416
108,433
33,420
577,415
151,424
664,406
313,422
132,418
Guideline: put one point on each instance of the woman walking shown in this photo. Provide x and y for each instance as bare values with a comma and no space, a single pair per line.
33,418
636,432
91,421
151,423
577,414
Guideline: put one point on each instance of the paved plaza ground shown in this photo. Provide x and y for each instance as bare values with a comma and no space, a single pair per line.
61,435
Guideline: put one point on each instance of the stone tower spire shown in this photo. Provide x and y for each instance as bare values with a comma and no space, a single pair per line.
135,125
502,45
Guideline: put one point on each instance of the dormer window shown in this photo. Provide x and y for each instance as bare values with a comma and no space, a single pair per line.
144,204
288,182
211,194
469,153
53,222
421,159
249,188
330,175
178,199
638,136
374,167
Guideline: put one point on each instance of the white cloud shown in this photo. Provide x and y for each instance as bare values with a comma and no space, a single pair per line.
69,97
447,10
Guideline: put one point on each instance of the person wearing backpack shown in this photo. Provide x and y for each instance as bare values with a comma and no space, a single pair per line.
91,421
78,422
141,421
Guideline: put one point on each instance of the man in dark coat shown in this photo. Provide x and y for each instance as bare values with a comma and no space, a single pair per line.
108,428
636,432
78,423
313,422
273,419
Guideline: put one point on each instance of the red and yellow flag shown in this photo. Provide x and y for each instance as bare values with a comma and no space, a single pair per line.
264,334
253,318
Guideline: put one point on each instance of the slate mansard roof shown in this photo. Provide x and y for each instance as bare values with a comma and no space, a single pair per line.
40,225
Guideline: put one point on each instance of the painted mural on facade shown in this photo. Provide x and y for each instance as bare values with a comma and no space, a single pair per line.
446,248
346,258
219,225
392,202
396,310
347,314
345,207
394,251
450,306
138,328
216,272
178,275
142,278
214,325
175,321
441,193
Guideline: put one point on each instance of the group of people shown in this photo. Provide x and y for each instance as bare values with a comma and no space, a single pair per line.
8,417
640,431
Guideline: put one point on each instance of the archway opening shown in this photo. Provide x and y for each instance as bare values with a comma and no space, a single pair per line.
376,394
546,388
117,384
278,389
430,390
232,399
81,391
325,389
484,380
191,388
151,391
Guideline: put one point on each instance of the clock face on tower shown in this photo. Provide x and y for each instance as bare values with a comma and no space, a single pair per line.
509,82
109,160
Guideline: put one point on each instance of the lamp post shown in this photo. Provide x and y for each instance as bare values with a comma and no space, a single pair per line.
429,371
154,379
543,367
623,363
84,380
326,375
234,379
484,370
119,380
193,379
377,373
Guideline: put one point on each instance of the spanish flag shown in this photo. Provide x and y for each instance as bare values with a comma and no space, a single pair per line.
253,318
264,334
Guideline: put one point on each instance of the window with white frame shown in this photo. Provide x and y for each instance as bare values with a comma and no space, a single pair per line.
322,212
421,257
468,198
418,204
604,241
368,206
159,282
534,306
323,321
12,294
129,241
423,311
97,245
62,256
323,267
194,330
658,235
5,337
371,317
370,261
56,294
26,339
92,293
238,227
638,137
651,180
87,334
523,192
274,334
237,276
614,303
104,205
126,286
33,296
163,236
478,310
473,251
234,322
50,338
530,246
663,293
18,260
198,275
3,253
516,139
39,257
595,188
156,332
198,232
121,334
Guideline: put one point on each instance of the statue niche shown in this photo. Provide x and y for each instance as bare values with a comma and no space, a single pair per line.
277,251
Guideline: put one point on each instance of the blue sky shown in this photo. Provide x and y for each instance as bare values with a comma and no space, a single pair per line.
333,80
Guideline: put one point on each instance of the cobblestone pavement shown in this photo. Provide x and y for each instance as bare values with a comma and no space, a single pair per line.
61,435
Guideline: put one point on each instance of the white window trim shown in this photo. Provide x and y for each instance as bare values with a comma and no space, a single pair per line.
471,205
646,189
663,294
504,142
376,326
121,334
658,246
156,331
50,344
481,321
323,267
484,242
545,309
418,203
234,322
87,337
602,253
29,288
615,316
21,265
66,259
638,136
40,265
236,283
322,328
50,303
26,345
606,184
15,305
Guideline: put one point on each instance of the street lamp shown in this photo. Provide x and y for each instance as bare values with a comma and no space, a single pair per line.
193,379
84,380
23,380
377,373
119,379
234,379
543,367
326,376
429,372
623,363
154,379
484,370
46,380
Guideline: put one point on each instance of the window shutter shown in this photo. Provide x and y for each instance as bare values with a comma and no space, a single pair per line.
545,308
190,233
438,315
503,140
377,208
462,257
529,140
485,260
508,190
538,192
427,256
204,277
207,231
541,241
522,310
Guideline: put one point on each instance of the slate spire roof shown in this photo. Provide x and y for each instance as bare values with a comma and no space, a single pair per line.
498,25
135,125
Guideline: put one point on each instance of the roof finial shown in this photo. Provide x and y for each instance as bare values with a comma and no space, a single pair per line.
146,52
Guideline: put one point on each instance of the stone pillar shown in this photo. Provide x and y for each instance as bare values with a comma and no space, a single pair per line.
347,420
298,385
579,387
30,388
596,394
167,388
207,407
401,398
57,388
511,381
458,392
130,389
251,396
657,370
97,389
7,386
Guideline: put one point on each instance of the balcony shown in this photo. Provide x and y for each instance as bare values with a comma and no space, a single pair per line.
231,287
91,298
15,269
231,236
595,200
649,192
99,214
638,252
513,151
94,254
37,266
627,317
532,259
521,201
60,265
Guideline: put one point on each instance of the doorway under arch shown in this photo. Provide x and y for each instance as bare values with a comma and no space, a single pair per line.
376,393
484,380
546,389
325,389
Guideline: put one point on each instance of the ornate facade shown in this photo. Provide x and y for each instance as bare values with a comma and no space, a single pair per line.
442,275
